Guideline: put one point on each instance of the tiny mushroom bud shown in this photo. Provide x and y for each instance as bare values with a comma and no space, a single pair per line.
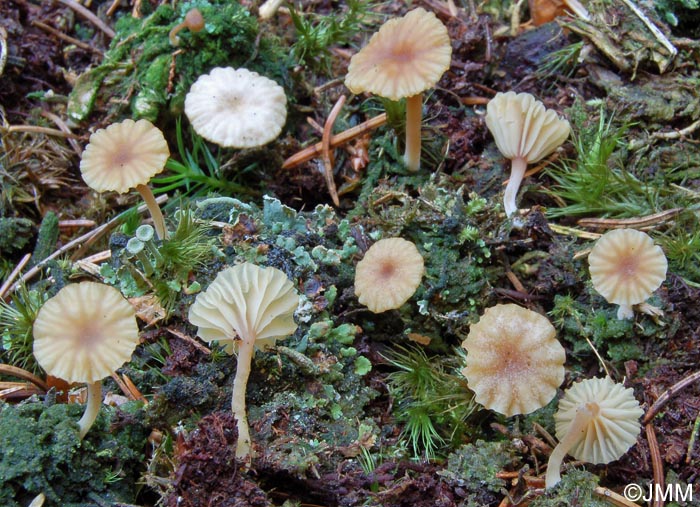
514,362
525,132
83,334
236,108
248,307
388,274
194,22
404,58
597,422
626,267
126,155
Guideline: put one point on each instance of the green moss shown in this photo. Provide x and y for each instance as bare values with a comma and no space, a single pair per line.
576,486
15,233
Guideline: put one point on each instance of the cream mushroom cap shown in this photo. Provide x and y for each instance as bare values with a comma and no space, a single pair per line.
85,332
514,362
236,108
389,274
404,58
246,302
614,427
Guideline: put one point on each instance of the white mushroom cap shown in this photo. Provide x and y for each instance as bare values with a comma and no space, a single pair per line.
523,127
614,427
246,302
85,332
626,266
515,364
388,274
405,57
124,155
236,108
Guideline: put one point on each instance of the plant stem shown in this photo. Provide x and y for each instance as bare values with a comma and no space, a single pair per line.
154,209
246,349
94,400
517,172
414,114
576,431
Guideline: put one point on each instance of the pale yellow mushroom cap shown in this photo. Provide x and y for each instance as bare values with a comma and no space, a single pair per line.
388,274
626,266
614,427
523,127
85,332
514,362
124,155
236,108
246,302
405,57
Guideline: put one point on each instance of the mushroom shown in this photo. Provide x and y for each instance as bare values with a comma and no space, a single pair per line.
126,155
194,22
514,362
525,132
269,8
597,422
83,334
404,58
626,267
247,307
236,108
388,274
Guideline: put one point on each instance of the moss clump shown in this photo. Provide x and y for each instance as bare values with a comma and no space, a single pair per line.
42,453
576,485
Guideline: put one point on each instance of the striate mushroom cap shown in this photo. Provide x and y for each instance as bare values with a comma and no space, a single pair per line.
123,156
614,427
389,274
514,362
626,266
236,108
85,332
246,302
523,128
405,57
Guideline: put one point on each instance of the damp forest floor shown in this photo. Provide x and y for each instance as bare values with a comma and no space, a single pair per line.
355,408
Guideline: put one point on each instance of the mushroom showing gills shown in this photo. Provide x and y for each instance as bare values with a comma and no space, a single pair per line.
127,155
248,307
194,22
236,108
83,334
514,362
525,132
404,58
388,274
597,422
626,267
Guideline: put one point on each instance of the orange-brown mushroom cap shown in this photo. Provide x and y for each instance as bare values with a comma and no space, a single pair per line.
388,274
85,332
514,362
123,156
405,57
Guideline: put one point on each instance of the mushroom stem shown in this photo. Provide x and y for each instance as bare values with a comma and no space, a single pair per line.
154,209
517,172
94,400
246,349
268,9
625,312
193,20
414,114
577,429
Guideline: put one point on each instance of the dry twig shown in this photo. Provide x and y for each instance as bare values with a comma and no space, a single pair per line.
326,154
668,394
87,14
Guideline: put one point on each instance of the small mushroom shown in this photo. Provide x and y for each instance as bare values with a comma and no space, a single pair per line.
126,155
514,362
404,58
194,22
246,307
626,268
597,422
525,132
236,108
83,334
388,274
